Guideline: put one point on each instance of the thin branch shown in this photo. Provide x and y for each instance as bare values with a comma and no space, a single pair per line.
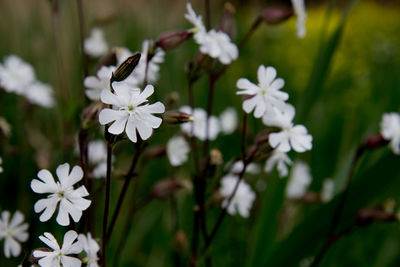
85,58
106,205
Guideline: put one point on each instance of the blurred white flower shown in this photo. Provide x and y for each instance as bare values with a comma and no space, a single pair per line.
291,136
96,45
237,168
328,189
390,130
228,120
177,150
91,248
59,256
130,111
98,83
264,96
97,156
242,200
300,11
216,44
40,93
299,180
16,75
1,162
200,124
13,232
71,200
281,160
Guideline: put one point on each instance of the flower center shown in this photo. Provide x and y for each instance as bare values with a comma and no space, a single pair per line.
61,194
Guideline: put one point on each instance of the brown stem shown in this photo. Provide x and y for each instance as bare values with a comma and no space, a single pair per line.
106,206
85,58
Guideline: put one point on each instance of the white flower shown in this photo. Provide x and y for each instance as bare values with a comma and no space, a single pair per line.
291,136
280,159
1,167
237,168
300,11
16,75
265,95
200,124
300,179
130,113
216,44
59,256
242,200
96,45
177,150
91,249
13,231
228,120
98,83
390,130
71,200
40,93
97,155
328,189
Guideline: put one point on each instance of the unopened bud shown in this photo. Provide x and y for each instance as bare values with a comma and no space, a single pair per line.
165,188
261,148
216,157
227,23
369,215
90,114
276,15
176,117
171,40
155,152
126,68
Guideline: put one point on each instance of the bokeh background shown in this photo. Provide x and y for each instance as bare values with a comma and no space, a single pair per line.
341,77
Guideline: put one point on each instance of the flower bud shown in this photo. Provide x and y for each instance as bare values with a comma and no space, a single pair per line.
171,40
165,188
90,115
276,15
369,215
261,148
216,157
126,68
227,23
176,117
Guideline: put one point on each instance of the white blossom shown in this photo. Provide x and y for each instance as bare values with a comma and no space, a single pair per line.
13,232
290,136
97,156
96,45
131,111
264,96
98,83
59,256
40,93
242,200
16,75
91,248
200,124
195,19
279,159
228,120
238,166
71,200
301,14
177,150
328,190
390,130
299,180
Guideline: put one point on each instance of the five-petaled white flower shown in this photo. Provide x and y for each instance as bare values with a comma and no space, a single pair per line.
16,75
299,180
91,248
97,155
281,160
130,112
291,136
13,231
264,96
301,14
96,45
216,44
200,124
71,200
98,83
228,120
242,200
177,150
40,93
390,130
59,256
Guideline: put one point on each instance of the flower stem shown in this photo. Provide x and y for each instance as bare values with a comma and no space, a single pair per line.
85,63
106,206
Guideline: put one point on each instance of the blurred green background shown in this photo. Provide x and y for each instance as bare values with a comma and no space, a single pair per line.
341,77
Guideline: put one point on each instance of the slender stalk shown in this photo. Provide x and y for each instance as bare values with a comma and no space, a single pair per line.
208,15
85,63
106,206
210,103
192,140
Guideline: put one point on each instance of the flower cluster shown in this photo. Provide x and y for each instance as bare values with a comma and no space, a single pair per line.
216,44
19,77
